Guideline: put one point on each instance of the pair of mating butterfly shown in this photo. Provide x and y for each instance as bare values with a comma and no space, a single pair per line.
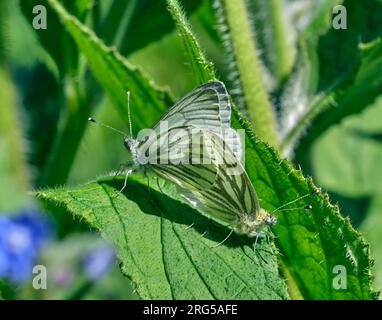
228,198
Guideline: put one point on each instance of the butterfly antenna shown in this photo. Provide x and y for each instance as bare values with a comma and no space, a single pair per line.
106,126
308,207
129,114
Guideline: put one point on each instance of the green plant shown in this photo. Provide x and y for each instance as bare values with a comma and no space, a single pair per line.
285,79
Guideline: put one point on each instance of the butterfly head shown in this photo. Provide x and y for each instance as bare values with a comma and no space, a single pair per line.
128,142
270,219
132,145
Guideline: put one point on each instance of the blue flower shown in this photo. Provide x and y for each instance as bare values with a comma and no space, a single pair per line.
21,237
97,261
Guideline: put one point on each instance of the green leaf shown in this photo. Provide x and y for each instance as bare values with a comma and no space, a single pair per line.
352,94
312,242
203,21
371,228
203,70
140,22
13,168
106,28
40,104
54,39
72,127
65,54
14,175
317,17
299,92
4,24
80,8
106,140
40,94
246,59
341,71
161,255
140,33
339,50
7,292
347,159
116,75
361,91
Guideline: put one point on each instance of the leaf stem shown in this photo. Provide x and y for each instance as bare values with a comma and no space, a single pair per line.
249,66
71,130
11,134
282,50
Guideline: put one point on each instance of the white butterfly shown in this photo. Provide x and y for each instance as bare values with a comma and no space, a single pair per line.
203,115
206,107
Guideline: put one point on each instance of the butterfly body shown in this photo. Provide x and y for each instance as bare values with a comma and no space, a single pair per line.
255,227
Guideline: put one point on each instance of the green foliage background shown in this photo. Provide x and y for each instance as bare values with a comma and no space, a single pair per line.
301,90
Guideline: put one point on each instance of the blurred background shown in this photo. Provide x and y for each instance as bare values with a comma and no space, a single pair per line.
47,93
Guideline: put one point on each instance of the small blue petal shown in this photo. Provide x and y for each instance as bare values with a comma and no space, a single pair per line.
98,261
21,269
21,237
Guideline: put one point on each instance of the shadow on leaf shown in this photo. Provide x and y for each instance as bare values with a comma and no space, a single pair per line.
153,202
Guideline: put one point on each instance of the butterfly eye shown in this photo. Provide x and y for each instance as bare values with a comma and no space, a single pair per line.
126,143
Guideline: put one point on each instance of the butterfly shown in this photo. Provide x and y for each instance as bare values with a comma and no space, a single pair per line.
206,107
231,200
218,186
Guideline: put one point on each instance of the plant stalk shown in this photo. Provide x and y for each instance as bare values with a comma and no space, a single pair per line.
282,51
249,66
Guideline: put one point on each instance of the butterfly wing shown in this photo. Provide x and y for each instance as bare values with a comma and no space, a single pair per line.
232,197
206,107
181,156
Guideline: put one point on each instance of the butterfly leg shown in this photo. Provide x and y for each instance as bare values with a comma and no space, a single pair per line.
190,226
224,240
208,226
254,249
254,245
205,232
124,183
